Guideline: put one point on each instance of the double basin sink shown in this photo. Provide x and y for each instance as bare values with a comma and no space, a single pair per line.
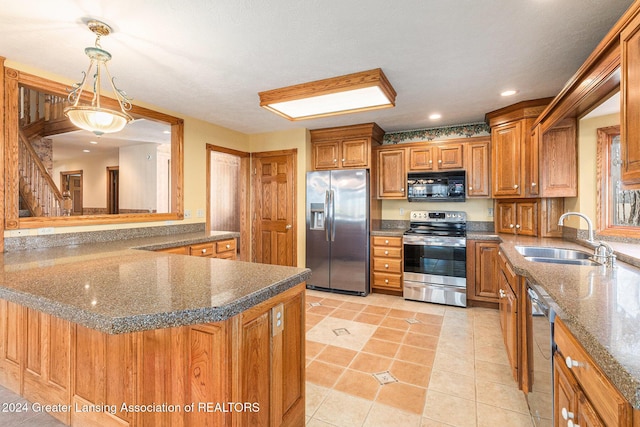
556,255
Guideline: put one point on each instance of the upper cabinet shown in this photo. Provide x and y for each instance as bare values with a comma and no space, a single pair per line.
630,120
436,157
392,174
477,167
526,162
345,147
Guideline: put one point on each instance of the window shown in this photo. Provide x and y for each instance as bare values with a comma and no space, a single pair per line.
618,204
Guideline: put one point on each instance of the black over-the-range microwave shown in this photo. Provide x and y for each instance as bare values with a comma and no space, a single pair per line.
436,186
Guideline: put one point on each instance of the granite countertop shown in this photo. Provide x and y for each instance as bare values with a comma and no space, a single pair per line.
115,287
601,307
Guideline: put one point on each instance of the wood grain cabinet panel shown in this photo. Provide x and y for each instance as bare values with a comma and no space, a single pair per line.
508,289
11,344
556,165
433,157
478,170
325,155
392,175
482,271
508,171
630,114
344,147
529,217
387,263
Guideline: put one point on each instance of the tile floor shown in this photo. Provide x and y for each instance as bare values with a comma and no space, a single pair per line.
384,361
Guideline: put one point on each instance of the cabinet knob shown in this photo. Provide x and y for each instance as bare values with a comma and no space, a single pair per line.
386,252
228,246
566,414
502,294
510,225
335,160
386,281
386,266
533,184
517,225
571,424
440,161
470,188
515,186
204,251
571,363
343,160
402,190
430,161
386,242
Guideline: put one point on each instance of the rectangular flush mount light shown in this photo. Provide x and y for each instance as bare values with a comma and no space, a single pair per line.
363,91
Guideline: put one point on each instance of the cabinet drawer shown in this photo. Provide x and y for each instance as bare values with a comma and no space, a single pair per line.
387,265
387,252
203,249
180,250
387,241
608,402
226,246
387,280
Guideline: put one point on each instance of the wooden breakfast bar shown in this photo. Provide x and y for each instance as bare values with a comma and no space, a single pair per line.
109,335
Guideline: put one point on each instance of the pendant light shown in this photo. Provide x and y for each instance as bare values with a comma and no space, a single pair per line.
94,117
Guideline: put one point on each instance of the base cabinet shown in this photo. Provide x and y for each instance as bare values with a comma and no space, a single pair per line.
225,249
482,273
508,294
387,264
583,395
182,376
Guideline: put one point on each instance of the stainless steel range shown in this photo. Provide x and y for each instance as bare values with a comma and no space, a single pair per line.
435,257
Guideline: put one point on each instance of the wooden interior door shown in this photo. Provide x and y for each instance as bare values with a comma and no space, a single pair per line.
72,182
274,231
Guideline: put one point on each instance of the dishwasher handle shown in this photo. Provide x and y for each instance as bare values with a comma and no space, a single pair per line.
543,308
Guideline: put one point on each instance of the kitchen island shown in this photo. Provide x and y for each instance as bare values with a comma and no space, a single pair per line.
105,334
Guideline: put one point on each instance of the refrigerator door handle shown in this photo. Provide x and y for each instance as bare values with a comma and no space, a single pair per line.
327,220
333,215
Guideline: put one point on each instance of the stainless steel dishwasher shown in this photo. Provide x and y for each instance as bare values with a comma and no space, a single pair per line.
540,356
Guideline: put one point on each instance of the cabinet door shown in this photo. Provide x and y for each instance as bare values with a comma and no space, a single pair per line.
506,160
630,114
392,176
355,153
486,277
587,415
527,218
565,389
558,161
505,217
450,156
421,158
509,316
325,155
477,167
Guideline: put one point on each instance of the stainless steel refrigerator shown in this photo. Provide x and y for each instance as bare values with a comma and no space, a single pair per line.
337,210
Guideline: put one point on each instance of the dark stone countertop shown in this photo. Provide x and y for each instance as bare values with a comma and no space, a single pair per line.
116,287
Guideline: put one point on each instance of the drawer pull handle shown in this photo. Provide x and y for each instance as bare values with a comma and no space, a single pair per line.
386,281
572,363
204,251
386,266
566,414
515,187
386,242
518,226
228,246
386,252
510,225
470,188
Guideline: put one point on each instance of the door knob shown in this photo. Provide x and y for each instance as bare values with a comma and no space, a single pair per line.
288,226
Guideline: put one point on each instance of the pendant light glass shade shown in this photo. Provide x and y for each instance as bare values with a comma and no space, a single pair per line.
94,117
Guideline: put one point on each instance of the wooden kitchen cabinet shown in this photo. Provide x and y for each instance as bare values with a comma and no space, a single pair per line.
226,249
508,288
529,217
630,113
387,264
345,147
521,156
436,157
477,165
482,273
582,392
392,174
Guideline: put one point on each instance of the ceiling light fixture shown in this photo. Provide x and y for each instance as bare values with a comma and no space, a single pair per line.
435,116
508,92
363,91
96,118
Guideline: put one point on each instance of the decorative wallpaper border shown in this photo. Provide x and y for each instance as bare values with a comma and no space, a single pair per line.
456,131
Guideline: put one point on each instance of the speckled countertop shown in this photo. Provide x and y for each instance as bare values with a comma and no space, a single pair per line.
116,287
601,307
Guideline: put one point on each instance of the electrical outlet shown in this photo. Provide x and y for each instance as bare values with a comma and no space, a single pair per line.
187,213
490,212
45,231
23,232
401,211
200,213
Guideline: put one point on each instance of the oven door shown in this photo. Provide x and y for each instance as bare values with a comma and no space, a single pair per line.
436,256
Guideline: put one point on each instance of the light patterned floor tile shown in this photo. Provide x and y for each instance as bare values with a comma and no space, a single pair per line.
386,416
342,409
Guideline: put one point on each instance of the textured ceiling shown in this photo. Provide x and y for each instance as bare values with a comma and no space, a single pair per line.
209,59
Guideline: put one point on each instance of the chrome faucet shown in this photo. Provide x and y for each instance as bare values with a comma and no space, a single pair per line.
603,252
591,239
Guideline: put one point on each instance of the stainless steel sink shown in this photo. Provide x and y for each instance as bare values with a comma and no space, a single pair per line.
555,255
562,260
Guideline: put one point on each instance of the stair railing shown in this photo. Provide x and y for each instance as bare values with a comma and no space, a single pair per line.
44,191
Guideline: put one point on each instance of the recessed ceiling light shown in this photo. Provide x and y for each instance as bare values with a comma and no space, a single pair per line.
166,132
435,116
510,92
93,142
86,151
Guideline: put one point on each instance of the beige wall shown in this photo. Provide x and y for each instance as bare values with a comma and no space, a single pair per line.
476,209
587,145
